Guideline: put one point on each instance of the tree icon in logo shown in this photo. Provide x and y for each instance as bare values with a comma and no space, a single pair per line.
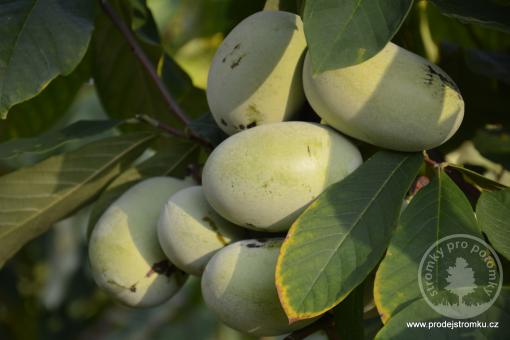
461,279
460,276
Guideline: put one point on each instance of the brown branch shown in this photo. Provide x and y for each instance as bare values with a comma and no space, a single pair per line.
174,107
171,130
144,60
160,125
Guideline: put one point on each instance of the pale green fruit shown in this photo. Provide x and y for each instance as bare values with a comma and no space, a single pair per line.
395,100
190,232
238,285
124,252
262,178
255,76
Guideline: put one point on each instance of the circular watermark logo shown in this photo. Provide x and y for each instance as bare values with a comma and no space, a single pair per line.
460,276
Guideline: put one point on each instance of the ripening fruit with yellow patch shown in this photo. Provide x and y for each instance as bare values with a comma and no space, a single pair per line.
124,252
255,76
238,285
396,100
262,178
190,232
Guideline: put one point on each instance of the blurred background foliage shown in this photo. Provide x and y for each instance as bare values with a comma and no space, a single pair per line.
46,290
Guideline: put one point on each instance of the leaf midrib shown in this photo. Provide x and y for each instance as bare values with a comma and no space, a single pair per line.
356,222
340,33
77,187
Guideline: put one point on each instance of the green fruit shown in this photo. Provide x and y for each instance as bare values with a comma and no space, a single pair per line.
395,100
124,252
190,232
264,177
255,76
238,285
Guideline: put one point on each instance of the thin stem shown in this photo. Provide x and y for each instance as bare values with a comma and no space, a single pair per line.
435,158
146,63
162,126
173,131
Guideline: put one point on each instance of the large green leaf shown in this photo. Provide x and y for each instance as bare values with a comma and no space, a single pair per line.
36,115
406,324
479,181
493,213
41,39
172,161
54,139
33,198
339,239
123,85
341,33
438,210
493,13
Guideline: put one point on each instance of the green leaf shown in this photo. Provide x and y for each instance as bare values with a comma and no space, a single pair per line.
419,311
172,161
344,33
123,85
493,213
33,198
494,145
41,39
36,115
52,140
206,127
142,22
348,316
439,209
479,181
340,237
492,13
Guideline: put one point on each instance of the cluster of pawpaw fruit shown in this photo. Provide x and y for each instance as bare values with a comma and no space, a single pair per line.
263,176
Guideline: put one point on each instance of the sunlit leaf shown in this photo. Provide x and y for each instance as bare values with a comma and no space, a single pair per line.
33,198
340,237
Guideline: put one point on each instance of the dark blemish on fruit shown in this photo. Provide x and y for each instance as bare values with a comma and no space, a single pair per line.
242,127
431,72
214,227
236,62
250,225
252,124
164,267
224,122
132,288
253,109
224,59
236,47
259,243
308,149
